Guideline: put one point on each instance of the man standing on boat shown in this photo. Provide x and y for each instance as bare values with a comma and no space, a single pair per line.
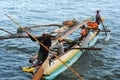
98,17
43,53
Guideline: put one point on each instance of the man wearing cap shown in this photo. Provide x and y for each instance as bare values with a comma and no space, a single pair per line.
43,53
98,17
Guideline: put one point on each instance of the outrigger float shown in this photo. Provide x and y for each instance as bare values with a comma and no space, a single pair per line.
50,70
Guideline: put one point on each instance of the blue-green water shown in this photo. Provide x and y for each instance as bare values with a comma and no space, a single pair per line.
93,65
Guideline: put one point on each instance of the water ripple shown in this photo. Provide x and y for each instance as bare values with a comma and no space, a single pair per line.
93,65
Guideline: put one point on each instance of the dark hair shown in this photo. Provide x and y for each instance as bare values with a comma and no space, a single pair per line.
97,11
83,26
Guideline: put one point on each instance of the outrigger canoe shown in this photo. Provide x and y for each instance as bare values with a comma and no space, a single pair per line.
56,67
70,57
65,31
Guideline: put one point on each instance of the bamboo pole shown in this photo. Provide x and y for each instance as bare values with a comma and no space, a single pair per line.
88,48
13,36
47,50
6,31
104,28
44,25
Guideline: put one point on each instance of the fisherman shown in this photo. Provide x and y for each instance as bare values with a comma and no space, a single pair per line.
60,47
83,33
98,17
43,53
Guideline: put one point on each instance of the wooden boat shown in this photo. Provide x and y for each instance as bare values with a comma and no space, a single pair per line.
70,56
64,32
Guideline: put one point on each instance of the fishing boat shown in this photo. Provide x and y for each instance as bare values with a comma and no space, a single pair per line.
70,57
52,69
64,32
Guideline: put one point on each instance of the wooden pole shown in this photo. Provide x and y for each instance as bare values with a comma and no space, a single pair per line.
88,48
104,27
104,30
44,25
48,50
6,31
13,36
39,73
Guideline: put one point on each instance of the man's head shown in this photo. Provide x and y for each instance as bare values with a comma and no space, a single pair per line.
98,11
60,39
83,27
45,33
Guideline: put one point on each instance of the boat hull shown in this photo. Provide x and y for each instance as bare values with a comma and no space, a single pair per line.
74,56
62,68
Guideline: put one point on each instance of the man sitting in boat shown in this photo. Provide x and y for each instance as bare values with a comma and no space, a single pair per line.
43,53
83,33
60,47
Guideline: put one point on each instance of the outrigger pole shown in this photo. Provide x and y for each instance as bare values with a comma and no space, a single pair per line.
104,28
37,76
6,31
88,48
